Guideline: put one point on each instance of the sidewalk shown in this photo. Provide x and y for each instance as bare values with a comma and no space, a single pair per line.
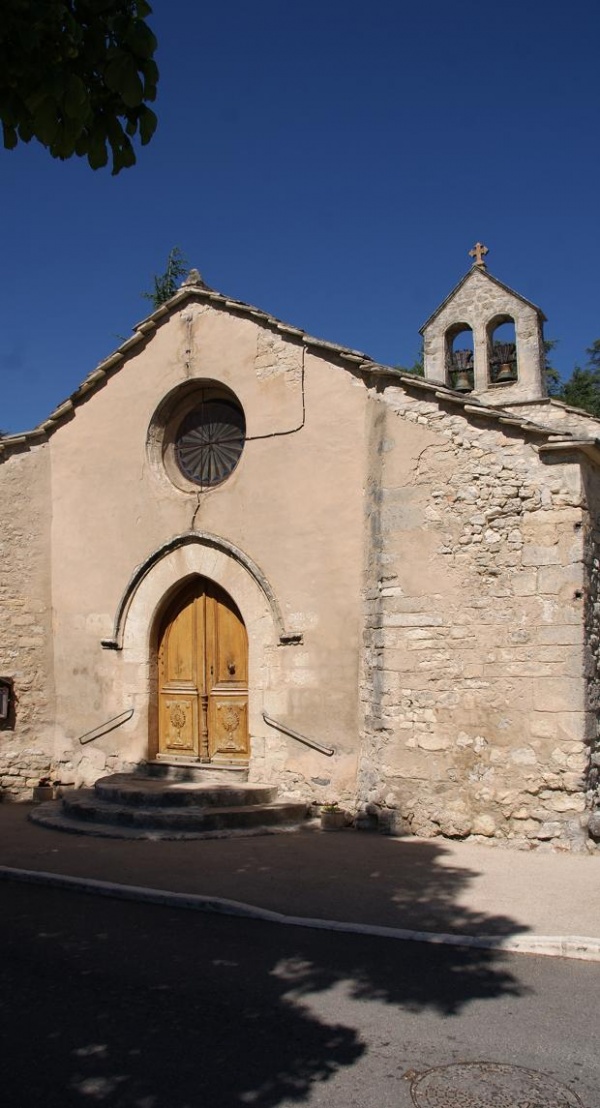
426,889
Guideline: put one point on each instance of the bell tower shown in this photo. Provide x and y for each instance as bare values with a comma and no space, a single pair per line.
486,339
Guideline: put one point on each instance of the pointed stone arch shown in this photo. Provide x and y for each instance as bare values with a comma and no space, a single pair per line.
146,597
203,552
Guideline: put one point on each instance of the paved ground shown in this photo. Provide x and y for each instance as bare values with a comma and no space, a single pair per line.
132,1005
529,901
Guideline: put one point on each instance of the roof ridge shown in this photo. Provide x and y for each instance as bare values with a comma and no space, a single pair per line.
357,358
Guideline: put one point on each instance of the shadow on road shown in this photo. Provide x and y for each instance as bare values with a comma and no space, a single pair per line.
122,1004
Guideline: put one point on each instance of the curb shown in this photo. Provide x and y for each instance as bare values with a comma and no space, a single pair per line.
552,946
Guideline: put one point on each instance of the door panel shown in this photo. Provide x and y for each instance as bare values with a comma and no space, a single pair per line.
227,725
180,656
227,650
179,724
203,677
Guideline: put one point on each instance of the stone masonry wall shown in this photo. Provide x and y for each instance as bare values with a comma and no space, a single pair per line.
475,700
553,413
479,301
592,619
25,621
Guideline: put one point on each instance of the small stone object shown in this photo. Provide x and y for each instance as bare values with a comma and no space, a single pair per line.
594,826
489,1085
478,253
194,277
333,818
42,793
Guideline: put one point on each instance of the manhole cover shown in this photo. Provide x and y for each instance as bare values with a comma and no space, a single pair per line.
489,1085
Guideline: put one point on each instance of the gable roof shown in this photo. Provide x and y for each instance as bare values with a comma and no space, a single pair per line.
467,277
195,289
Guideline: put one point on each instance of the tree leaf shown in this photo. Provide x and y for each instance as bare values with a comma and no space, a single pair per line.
73,71
9,136
141,40
148,124
75,100
97,154
122,77
44,121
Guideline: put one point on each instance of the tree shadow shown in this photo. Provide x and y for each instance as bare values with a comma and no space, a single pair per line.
129,1004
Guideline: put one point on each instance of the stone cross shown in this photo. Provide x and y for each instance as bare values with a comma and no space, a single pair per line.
478,252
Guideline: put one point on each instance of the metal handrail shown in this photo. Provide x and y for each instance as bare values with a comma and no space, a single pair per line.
105,728
328,751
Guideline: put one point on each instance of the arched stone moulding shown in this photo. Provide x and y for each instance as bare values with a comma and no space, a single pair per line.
150,589
185,555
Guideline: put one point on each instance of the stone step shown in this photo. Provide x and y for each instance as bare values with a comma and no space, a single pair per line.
144,791
86,805
188,770
53,816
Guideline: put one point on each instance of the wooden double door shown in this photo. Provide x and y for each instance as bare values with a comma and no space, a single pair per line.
203,677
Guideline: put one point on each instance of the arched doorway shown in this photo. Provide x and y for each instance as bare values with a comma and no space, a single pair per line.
202,675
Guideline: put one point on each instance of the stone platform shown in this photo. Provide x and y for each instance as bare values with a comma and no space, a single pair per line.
170,802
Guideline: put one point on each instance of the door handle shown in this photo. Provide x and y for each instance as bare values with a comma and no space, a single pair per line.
231,668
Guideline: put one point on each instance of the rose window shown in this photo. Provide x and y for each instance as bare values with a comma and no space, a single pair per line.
210,441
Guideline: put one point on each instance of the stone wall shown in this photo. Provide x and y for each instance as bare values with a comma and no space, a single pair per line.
473,686
592,628
25,620
553,413
481,302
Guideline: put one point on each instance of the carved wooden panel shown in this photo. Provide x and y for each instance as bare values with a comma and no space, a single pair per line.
179,724
228,726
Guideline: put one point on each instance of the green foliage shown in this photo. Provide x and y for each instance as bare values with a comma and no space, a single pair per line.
166,285
593,353
553,381
418,367
582,389
77,75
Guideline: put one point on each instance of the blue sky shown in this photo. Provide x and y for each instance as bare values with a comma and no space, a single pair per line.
329,162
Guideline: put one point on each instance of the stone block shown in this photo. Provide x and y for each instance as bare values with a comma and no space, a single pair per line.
560,635
559,802
540,555
560,580
411,619
525,583
484,824
433,742
554,695
524,756
529,827
549,830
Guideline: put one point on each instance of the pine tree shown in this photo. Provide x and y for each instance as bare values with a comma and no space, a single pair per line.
582,390
167,283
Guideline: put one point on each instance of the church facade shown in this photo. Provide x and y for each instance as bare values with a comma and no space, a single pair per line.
240,546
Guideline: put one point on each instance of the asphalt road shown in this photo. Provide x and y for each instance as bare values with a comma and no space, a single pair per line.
125,1005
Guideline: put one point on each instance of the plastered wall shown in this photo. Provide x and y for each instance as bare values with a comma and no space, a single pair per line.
293,506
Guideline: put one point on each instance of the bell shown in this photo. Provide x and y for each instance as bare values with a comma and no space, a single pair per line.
462,382
506,372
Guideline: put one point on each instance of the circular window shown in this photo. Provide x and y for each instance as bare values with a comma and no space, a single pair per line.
196,436
210,440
